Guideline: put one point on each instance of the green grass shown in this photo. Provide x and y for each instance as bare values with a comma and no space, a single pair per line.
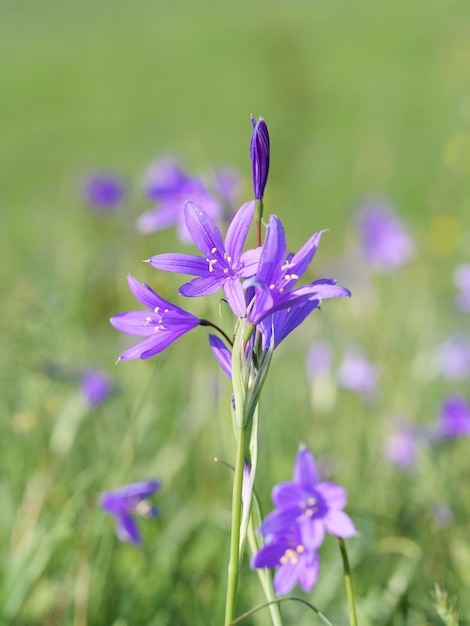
362,98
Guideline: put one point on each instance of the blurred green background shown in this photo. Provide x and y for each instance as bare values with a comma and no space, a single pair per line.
362,99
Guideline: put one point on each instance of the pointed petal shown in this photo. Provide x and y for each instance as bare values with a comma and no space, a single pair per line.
205,234
279,521
312,532
145,294
288,495
250,261
286,578
305,471
153,345
304,256
334,495
235,296
181,263
238,231
202,286
339,524
138,323
126,529
309,572
222,354
274,251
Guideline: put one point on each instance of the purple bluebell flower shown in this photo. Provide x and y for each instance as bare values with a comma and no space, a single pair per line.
103,191
274,286
357,373
453,358
259,155
95,387
386,243
400,446
223,264
170,186
462,282
454,419
307,502
294,554
125,502
162,324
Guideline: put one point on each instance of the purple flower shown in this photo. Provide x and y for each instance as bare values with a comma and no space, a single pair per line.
318,360
462,281
275,281
400,446
454,419
222,265
295,554
453,358
222,354
307,502
385,242
125,502
163,324
95,387
259,155
169,185
357,374
103,191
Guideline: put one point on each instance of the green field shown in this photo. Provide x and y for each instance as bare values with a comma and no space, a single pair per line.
362,99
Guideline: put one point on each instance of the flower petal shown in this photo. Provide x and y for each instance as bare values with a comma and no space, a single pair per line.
235,296
305,471
334,495
157,219
250,261
181,263
308,573
279,521
339,524
312,532
302,259
139,323
222,354
286,577
270,555
127,530
274,251
238,230
288,495
201,286
203,231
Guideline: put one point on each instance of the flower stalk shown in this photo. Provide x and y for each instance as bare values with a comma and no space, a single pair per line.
348,583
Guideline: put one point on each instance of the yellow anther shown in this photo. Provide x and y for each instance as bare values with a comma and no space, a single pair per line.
311,501
214,250
300,549
156,309
226,270
294,277
273,286
148,319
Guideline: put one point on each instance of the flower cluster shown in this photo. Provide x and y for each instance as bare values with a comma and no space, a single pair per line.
294,531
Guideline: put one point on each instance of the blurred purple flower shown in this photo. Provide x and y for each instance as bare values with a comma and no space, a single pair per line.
222,354
462,281
454,420
385,241
103,191
95,387
125,502
228,185
453,358
357,374
318,360
400,446
259,155
162,324
223,264
296,557
171,187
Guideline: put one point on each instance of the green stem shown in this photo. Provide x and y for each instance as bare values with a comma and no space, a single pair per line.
234,562
348,583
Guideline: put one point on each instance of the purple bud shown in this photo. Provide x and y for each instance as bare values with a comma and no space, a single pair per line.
259,155
104,192
95,386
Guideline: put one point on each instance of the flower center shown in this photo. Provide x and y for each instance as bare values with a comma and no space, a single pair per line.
292,555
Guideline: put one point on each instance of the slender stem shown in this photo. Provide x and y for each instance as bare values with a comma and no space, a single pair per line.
217,328
234,562
258,218
348,583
